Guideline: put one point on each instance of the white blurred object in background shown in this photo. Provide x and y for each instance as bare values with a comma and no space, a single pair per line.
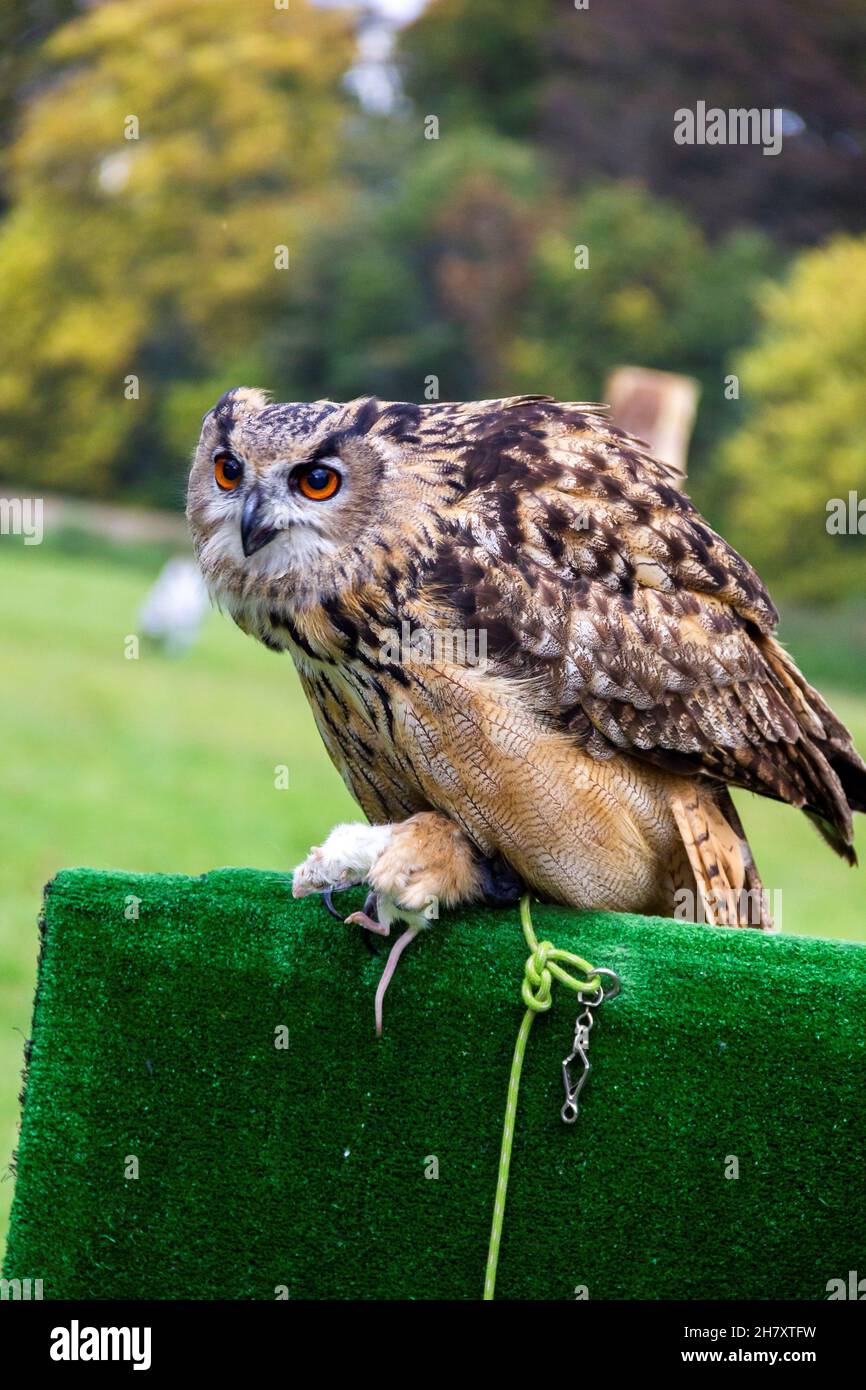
173,609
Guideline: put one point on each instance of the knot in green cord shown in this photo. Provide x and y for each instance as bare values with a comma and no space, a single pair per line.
541,968
537,979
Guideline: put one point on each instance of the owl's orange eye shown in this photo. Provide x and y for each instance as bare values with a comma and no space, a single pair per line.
318,482
227,470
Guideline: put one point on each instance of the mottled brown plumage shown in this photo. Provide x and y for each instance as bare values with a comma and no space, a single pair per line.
631,676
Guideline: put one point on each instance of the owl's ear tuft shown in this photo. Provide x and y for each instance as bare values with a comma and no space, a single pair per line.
366,418
240,400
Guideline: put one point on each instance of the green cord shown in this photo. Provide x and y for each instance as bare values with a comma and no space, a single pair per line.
539,972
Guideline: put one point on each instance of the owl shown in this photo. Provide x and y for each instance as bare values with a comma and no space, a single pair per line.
533,662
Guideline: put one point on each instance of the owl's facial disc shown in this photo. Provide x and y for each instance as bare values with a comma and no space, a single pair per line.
284,493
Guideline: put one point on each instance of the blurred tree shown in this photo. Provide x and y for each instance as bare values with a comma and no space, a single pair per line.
180,143
802,444
480,62
24,26
427,278
465,271
654,294
598,87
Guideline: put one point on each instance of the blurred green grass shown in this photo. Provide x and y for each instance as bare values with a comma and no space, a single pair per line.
154,764
168,765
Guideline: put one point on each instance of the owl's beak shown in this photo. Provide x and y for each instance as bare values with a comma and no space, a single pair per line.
256,530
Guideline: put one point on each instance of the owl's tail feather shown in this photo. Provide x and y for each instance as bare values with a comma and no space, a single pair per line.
835,774
729,889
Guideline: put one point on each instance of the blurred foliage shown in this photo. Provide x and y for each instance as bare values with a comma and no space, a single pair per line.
467,271
428,276
24,27
596,89
802,444
154,256
655,294
481,62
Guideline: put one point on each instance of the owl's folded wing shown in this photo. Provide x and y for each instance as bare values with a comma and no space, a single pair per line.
639,628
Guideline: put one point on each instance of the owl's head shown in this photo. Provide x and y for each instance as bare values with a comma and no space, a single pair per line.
283,492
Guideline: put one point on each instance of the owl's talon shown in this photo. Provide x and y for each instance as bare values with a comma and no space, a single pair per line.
328,899
414,868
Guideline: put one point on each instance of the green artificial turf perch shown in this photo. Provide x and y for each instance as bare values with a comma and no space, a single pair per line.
208,1113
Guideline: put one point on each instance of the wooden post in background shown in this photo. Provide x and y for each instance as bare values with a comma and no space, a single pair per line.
657,407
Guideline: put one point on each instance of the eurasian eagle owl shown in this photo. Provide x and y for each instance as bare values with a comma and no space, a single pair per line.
530,658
